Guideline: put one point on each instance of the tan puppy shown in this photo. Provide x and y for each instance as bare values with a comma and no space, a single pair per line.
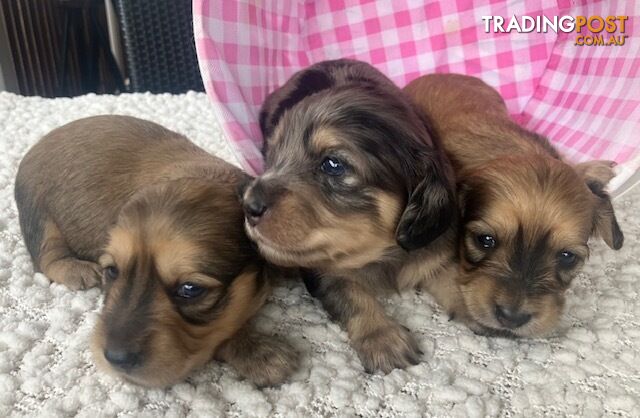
125,203
526,213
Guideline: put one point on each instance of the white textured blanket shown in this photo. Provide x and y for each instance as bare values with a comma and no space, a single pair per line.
592,367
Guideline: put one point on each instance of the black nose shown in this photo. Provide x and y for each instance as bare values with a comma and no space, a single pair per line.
254,203
122,358
255,207
511,318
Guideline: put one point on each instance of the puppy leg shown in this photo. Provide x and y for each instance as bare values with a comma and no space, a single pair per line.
449,296
58,263
446,291
381,343
262,359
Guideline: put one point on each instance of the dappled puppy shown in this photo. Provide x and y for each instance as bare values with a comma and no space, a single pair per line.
126,204
527,214
356,193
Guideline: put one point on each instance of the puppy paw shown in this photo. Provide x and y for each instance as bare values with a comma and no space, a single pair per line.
264,360
388,348
461,315
271,363
75,274
84,275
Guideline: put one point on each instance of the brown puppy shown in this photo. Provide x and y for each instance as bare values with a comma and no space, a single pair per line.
353,182
125,203
526,213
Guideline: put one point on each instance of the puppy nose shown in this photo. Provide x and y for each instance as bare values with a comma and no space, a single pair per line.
122,359
254,207
254,203
511,318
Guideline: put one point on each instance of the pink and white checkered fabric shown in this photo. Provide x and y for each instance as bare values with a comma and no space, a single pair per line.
586,99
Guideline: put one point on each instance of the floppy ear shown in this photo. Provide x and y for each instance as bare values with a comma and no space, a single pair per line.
431,209
597,175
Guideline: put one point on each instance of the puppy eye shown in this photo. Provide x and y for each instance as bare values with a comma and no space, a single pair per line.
189,291
566,259
332,166
110,273
486,241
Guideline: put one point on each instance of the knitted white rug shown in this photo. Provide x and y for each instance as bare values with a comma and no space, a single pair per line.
591,368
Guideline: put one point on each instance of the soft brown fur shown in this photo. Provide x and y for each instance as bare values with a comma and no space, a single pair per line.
513,186
385,224
126,204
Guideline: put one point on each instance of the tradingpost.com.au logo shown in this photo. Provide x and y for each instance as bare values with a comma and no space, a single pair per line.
602,31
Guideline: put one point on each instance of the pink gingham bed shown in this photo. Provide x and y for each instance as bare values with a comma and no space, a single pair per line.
586,99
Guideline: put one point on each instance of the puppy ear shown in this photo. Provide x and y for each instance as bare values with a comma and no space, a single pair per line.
431,209
597,175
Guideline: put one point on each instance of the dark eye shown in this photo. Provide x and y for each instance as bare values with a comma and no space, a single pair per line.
189,291
111,273
486,241
566,259
332,166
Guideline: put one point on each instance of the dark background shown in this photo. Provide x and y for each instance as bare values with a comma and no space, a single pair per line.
56,48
